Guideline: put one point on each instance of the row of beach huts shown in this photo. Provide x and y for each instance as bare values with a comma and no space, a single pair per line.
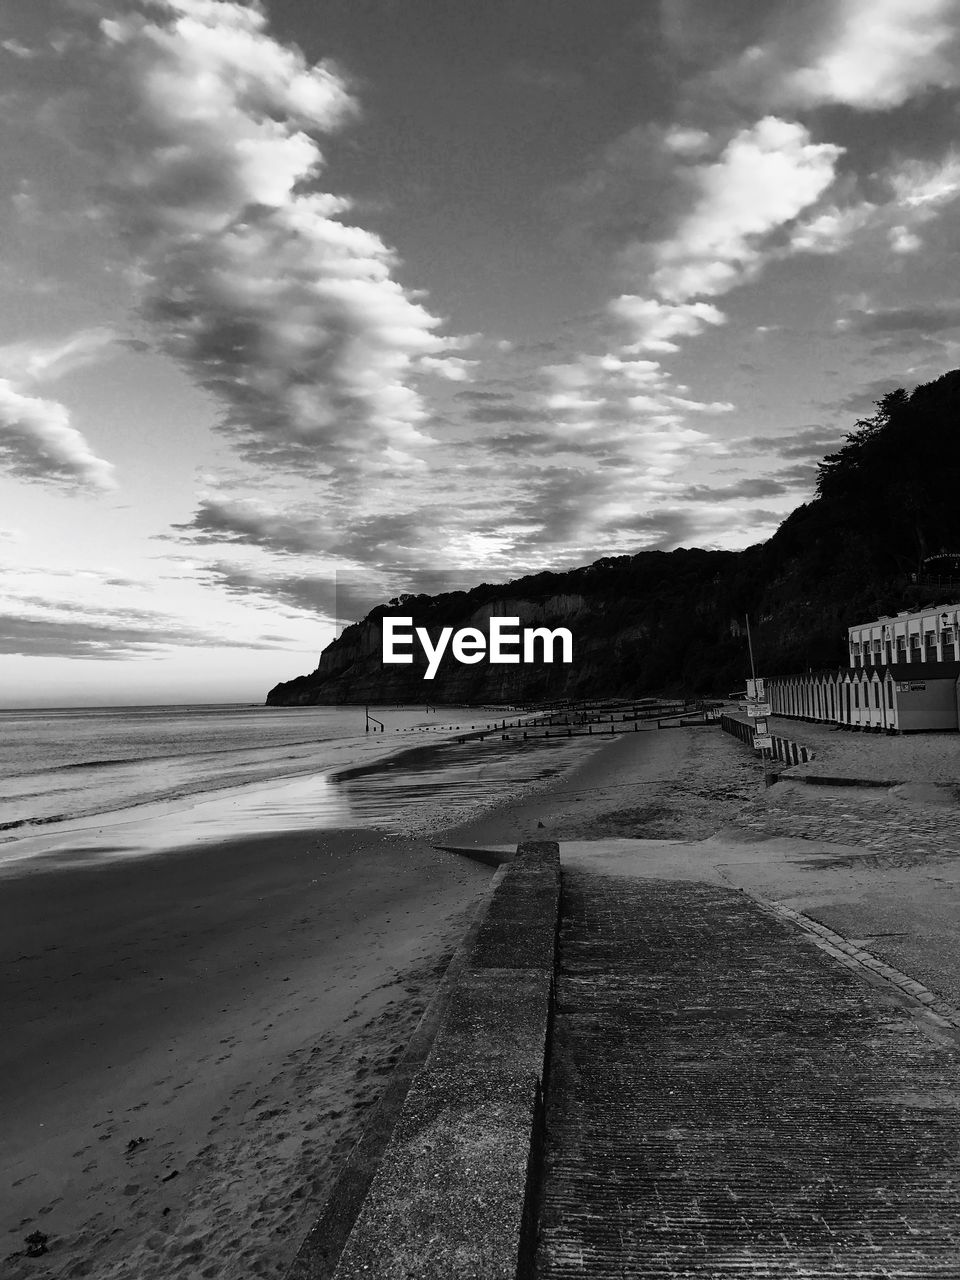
903,677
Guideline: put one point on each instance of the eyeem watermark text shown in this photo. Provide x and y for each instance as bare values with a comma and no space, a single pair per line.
506,643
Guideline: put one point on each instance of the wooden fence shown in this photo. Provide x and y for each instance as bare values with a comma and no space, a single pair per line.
784,749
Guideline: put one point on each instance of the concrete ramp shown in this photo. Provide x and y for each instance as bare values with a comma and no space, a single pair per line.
725,1100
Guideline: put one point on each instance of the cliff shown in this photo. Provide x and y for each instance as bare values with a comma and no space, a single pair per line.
672,622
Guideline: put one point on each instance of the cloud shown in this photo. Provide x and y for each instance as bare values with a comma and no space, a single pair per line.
767,175
453,368
503,413
750,488
655,326
245,521
342,596
310,592
867,55
918,319
482,395
697,525
833,229
903,240
911,194
18,50
253,279
804,442
686,141
864,400
802,475
45,361
37,442
924,184
381,538
877,54
83,638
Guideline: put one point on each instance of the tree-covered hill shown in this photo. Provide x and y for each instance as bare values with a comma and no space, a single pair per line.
673,622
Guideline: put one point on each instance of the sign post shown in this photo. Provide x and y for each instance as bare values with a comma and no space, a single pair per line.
757,708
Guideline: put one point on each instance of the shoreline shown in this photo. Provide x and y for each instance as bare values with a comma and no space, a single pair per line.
308,798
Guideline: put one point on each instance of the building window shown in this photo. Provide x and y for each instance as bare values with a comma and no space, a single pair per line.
856,695
876,695
890,694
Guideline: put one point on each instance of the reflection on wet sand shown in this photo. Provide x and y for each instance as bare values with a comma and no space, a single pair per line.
411,792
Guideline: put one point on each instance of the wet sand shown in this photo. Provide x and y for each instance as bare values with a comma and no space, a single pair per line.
193,1038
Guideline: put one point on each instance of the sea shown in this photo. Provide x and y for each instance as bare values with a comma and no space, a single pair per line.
115,781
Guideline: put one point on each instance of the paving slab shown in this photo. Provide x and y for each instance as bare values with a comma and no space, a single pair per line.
728,1099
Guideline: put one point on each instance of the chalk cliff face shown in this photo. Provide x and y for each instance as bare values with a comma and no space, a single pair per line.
660,622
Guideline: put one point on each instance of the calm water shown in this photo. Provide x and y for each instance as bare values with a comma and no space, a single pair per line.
126,779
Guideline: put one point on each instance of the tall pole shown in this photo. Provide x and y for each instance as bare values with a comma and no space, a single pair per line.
753,669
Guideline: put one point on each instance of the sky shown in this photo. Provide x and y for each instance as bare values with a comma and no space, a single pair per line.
391,295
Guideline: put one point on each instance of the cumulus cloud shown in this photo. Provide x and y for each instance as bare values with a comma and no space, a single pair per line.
255,280
655,325
832,230
877,54
909,195
869,55
453,368
38,442
767,175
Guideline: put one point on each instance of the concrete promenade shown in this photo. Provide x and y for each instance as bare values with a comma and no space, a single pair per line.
726,1099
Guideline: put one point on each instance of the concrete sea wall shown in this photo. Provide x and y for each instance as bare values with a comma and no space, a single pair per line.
452,1194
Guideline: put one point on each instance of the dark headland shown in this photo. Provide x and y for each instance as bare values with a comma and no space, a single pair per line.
671,622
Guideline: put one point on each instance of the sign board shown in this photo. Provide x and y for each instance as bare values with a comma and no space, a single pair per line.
917,686
756,689
761,740
758,709
760,727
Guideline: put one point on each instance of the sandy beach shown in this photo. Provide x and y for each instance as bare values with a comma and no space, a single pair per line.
194,1038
